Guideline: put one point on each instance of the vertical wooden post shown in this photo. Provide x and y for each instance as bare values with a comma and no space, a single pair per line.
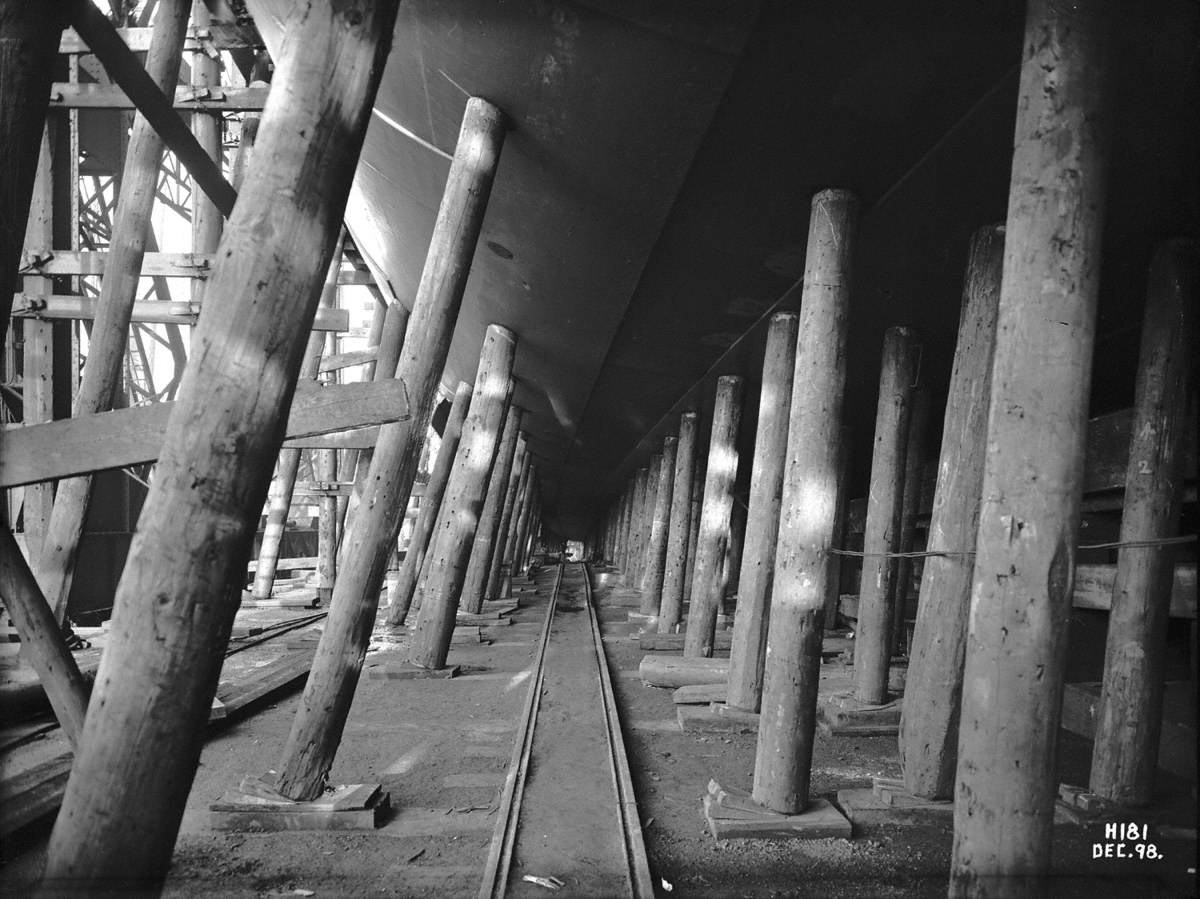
749,644
929,720
325,461
653,475
495,570
484,546
283,484
914,476
508,566
671,605
400,597
689,570
872,643
102,373
656,556
207,220
802,575
713,538
464,499
636,524
37,381
317,729
42,644
1125,753
180,588
28,51
625,524
832,595
1037,424
529,526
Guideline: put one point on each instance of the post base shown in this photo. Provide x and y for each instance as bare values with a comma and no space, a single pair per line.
700,694
733,815
842,715
256,807
656,642
889,800
406,671
707,719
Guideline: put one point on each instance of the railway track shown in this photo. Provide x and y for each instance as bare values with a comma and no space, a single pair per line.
568,817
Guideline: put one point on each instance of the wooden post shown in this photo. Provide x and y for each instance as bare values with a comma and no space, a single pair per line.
508,566
656,557
283,484
207,220
177,597
671,606
689,570
929,719
529,526
832,595
28,52
636,525
872,643
495,571
325,460
713,538
317,729
653,476
464,499
37,380
624,524
1131,698
749,644
103,370
1037,422
484,546
802,576
914,476
42,644
400,597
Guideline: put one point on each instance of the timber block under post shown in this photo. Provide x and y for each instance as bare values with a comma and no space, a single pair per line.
843,715
716,718
733,815
257,807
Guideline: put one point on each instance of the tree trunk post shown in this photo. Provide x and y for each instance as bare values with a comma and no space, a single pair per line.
179,591
325,460
496,569
791,670
1033,477
400,597
636,522
317,728
671,607
749,643
625,524
694,535
660,529
653,475
463,502
484,546
1130,714
933,688
872,641
28,53
914,476
102,373
508,567
207,220
42,643
283,484
833,594
713,539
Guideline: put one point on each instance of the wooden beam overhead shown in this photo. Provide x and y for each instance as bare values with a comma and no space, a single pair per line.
186,99
71,446
150,312
166,265
217,36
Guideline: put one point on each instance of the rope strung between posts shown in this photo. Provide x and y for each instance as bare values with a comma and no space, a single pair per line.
1161,541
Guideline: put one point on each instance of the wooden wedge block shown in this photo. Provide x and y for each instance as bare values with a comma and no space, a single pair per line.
700,694
675,671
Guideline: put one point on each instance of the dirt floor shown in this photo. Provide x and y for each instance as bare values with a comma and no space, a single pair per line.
442,749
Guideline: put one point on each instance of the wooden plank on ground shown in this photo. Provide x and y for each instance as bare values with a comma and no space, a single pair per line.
125,437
